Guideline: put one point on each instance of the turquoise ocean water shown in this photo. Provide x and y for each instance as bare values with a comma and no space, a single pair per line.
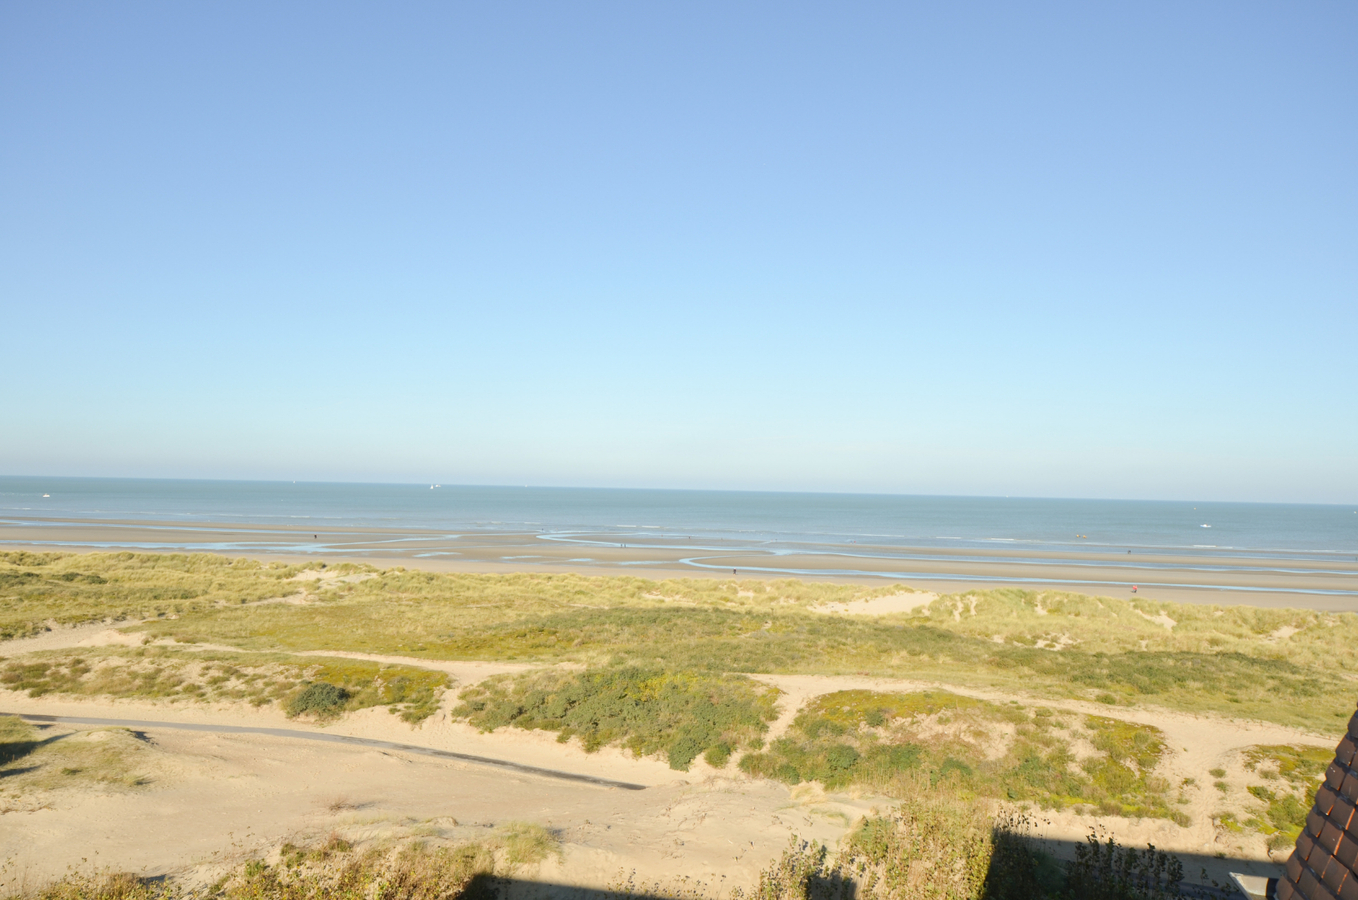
761,520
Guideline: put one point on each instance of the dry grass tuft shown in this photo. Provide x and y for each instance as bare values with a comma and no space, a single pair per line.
335,869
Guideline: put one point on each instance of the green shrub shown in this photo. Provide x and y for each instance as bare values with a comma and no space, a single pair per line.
323,700
171,674
718,755
883,741
679,714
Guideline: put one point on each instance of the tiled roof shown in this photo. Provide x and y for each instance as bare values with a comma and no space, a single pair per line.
1324,866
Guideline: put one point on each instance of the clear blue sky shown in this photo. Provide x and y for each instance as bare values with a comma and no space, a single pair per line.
1057,249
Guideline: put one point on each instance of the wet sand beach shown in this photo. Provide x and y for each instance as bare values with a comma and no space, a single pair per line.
1277,579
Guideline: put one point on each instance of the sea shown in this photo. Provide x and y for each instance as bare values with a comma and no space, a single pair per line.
808,521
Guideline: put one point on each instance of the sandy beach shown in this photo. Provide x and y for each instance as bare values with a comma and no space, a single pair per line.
1277,580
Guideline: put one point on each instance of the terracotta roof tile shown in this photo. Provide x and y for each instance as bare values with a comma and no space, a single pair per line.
1347,851
1350,786
1341,814
1324,865
1329,838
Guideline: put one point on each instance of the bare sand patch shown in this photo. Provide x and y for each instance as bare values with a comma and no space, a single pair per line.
225,797
1159,619
717,827
63,637
879,606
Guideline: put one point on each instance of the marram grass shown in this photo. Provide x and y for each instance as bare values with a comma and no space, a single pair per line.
1279,665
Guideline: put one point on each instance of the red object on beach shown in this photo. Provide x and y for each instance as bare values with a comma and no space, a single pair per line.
1133,589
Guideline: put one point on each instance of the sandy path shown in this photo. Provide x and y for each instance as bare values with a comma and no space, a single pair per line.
217,798
1196,744
142,725
66,637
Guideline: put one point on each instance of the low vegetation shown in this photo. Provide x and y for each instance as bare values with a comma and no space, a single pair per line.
659,667
35,761
37,589
1285,666
932,847
1288,776
309,686
1004,751
678,715
939,848
338,869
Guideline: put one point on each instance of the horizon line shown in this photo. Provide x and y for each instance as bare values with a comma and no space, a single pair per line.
826,493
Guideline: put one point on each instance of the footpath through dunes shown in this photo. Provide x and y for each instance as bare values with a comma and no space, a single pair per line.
272,787
1188,726
263,790
769,811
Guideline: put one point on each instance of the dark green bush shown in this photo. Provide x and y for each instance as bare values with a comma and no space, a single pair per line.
324,701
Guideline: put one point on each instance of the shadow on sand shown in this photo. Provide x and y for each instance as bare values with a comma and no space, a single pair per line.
13,751
1206,877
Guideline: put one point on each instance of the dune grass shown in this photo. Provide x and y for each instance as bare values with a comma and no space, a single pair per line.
72,589
941,847
165,673
336,868
1286,666
1260,684
679,715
